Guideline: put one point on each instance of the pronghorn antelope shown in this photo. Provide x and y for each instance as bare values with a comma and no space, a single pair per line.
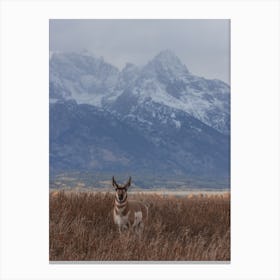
128,214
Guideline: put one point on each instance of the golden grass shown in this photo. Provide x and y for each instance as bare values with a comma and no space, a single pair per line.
178,228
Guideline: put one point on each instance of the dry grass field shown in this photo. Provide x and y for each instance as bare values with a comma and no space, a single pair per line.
187,228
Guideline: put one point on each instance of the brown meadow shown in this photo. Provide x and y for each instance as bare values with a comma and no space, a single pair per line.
185,228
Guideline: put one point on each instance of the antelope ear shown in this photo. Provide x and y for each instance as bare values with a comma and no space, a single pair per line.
128,183
114,183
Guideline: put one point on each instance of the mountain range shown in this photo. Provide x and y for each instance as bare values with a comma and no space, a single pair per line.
155,119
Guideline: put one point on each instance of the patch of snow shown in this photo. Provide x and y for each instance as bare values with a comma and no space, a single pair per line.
177,124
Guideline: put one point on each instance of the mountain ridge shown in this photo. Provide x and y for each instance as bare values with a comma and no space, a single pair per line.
172,85
157,119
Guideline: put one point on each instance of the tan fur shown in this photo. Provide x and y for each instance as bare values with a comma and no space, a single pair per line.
128,214
135,206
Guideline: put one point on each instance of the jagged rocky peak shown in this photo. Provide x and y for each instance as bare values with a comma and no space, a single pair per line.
167,56
81,76
167,64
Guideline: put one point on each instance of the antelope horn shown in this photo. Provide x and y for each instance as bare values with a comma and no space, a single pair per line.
114,183
128,183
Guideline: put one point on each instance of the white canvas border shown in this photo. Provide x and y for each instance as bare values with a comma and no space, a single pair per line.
254,151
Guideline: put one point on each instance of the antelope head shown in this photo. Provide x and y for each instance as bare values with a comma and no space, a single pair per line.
121,190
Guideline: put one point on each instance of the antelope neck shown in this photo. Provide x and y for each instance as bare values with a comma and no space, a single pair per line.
122,203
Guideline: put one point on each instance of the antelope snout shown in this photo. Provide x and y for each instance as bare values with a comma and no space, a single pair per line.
120,197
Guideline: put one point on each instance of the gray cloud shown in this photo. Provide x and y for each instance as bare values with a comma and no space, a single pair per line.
202,45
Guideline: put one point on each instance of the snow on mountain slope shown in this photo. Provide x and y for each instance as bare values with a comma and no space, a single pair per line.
156,119
82,77
163,81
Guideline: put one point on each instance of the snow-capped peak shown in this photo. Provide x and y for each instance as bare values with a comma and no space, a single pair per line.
166,65
167,57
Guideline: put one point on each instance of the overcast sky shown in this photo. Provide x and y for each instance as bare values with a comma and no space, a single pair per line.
202,45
